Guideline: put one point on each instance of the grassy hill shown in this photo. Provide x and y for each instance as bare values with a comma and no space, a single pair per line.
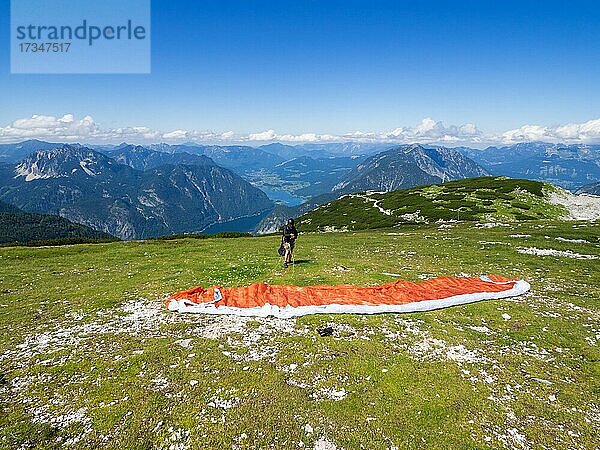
90,358
21,227
474,199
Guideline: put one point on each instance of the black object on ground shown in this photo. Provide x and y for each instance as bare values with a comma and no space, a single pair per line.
325,331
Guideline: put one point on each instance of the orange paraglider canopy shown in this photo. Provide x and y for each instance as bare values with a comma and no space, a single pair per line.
262,299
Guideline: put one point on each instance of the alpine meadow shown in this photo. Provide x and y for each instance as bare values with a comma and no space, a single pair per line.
276,225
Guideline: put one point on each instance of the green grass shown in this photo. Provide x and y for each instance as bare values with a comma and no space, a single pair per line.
403,387
473,199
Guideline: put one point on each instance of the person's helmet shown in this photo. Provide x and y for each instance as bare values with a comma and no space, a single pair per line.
290,221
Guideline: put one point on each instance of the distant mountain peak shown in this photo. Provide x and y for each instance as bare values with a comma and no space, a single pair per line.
409,165
61,162
592,189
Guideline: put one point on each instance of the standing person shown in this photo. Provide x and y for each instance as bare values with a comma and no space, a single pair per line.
290,234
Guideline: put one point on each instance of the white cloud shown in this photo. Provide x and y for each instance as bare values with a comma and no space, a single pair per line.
570,133
429,131
49,127
176,134
268,135
525,133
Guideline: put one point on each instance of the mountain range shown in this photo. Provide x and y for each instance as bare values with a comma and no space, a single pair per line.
18,151
143,158
90,188
272,168
133,191
593,189
567,166
288,174
397,168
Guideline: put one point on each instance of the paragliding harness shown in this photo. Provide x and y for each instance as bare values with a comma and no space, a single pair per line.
287,243
281,251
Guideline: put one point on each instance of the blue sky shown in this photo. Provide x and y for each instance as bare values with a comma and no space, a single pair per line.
336,67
